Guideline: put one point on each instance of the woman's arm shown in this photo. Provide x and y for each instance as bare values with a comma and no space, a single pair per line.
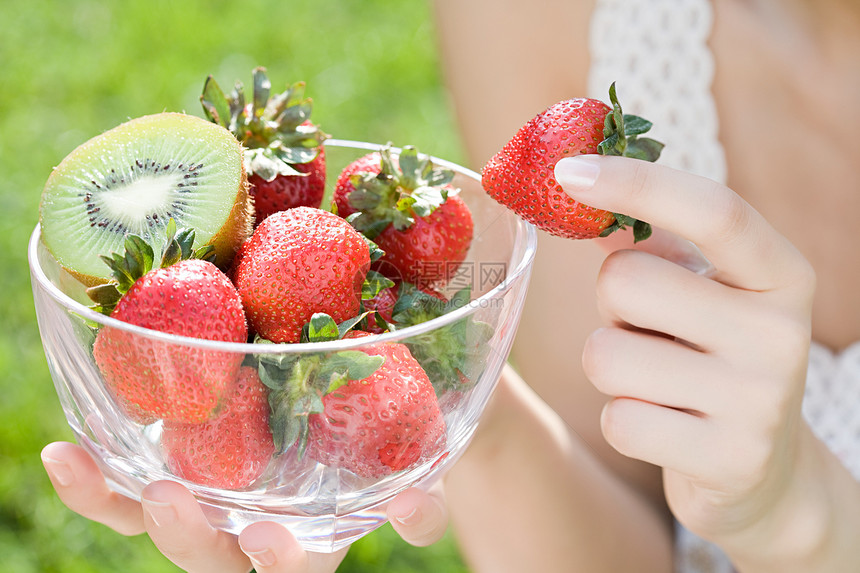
529,495
540,488
505,62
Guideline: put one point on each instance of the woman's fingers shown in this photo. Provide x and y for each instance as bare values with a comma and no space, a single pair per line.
632,364
663,436
651,293
420,518
743,247
80,485
665,245
176,524
273,549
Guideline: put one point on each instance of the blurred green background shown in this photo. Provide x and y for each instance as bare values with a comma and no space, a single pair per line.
70,69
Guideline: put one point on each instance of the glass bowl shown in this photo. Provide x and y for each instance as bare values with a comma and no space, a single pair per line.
325,506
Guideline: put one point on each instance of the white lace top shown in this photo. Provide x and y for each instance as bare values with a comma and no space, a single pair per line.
663,71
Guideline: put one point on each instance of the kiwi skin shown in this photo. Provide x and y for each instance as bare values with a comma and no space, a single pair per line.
237,226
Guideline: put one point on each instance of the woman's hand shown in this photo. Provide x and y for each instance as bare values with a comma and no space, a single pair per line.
176,524
706,370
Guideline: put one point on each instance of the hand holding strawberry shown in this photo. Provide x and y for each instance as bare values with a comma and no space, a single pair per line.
520,176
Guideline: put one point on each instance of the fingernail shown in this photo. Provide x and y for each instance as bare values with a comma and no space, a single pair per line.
263,558
577,173
161,513
60,471
410,518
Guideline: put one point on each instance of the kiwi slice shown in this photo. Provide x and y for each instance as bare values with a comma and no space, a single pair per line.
133,179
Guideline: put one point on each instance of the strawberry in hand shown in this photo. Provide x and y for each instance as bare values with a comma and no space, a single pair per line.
407,205
186,296
520,176
285,158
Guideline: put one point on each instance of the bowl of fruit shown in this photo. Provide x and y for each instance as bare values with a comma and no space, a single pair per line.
301,362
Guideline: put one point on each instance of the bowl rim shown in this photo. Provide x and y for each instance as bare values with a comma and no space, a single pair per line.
528,236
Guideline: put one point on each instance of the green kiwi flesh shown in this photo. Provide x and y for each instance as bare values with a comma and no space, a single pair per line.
133,179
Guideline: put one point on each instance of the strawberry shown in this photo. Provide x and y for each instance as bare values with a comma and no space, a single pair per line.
410,209
386,300
232,449
296,263
371,411
285,159
520,176
287,191
382,304
185,296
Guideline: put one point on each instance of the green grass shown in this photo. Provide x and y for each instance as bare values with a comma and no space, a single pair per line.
70,69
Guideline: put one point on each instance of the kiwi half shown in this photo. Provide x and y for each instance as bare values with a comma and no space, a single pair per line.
137,176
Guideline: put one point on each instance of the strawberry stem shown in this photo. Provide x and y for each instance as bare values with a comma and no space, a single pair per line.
621,138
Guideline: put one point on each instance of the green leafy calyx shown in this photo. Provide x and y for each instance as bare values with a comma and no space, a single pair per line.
298,382
404,189
139,258
621,137
275,129
453,355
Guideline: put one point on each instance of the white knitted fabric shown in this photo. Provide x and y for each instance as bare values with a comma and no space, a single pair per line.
657,53
831,403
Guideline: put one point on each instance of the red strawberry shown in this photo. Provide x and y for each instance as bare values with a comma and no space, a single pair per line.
386,299
299,262
409,208
371,411
285,160
382,304
192,298
520,176
381,424
287,191
431,250
231,450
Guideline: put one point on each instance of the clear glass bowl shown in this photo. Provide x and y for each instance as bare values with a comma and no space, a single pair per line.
326,508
